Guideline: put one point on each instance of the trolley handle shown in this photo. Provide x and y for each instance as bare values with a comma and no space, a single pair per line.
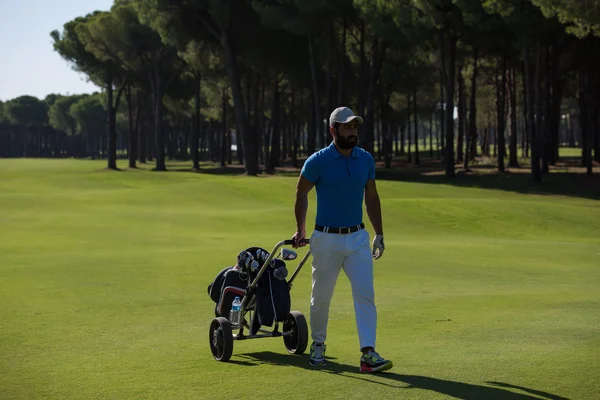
290,242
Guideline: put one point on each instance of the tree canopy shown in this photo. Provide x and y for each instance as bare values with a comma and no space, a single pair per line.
465,78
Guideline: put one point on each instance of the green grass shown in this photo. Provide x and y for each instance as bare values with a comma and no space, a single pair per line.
481,293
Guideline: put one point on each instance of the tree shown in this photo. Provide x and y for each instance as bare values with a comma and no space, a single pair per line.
447,20
27,111
90,119
196,47
314,22
59,114
77,45
581,18
221,19
139,50
32,114
527,22
3,116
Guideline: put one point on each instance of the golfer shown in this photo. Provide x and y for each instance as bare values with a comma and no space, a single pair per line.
343,175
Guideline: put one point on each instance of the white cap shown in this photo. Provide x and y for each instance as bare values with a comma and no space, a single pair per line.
343,115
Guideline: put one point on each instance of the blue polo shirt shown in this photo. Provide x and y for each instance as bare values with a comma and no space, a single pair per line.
340,184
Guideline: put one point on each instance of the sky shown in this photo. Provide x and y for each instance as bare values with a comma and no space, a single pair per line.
28,63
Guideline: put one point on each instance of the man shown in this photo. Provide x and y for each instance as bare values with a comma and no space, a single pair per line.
343,175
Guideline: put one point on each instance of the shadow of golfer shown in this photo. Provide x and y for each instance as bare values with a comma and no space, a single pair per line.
454,389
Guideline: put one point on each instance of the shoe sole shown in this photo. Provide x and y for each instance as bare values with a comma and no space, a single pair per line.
318,364
381,368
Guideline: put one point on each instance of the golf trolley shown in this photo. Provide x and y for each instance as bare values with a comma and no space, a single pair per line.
222,332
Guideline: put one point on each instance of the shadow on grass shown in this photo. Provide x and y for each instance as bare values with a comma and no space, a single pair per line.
562,180
557,183
210,170
532,391
454,389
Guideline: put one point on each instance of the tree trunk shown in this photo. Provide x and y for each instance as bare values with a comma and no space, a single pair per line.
316,99
540,102
285,136
112,129
462,112
386,127
596,117
431,135
380,127
416,124
471,149
402,150
293,136
159,130
328,75
501,113
442,98
557,90
546,122
241,117
342,88
526,71
389,141
596,129
437,136
367,130
142,139
224,128
263,130
408,126
513,161
533,101
132,131
276,127
591,98
396,140
449,43
584,110
196,123
360,107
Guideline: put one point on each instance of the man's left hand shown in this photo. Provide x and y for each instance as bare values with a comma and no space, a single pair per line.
378,247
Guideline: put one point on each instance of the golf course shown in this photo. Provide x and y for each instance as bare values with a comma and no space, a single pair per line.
489,288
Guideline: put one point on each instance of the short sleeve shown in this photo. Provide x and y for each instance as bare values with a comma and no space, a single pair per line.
371,162
310,170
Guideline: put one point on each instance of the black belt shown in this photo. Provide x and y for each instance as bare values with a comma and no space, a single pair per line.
344,230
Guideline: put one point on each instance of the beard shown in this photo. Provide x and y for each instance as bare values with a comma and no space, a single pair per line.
346,142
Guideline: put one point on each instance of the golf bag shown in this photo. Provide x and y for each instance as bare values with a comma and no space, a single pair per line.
271,301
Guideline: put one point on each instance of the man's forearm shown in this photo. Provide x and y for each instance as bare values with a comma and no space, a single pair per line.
374,211
300,209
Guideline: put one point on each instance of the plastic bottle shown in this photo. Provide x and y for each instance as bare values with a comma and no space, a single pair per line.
234,314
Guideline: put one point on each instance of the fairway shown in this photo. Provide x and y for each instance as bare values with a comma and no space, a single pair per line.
481,293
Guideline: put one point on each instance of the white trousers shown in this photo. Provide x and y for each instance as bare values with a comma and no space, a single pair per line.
352,252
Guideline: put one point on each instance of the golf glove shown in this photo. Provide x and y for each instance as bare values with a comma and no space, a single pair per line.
378,246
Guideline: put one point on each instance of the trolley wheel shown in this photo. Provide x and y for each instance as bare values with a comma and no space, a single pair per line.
297,341
220,339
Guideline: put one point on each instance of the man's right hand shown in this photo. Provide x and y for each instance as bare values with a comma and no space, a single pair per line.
298,238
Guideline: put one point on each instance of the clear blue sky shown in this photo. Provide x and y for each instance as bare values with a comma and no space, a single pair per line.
28,63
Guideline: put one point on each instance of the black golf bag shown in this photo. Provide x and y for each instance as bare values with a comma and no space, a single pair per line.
271,299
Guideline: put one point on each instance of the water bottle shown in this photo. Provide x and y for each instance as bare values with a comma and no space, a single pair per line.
235,313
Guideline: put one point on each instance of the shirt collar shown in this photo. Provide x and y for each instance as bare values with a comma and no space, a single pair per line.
337,154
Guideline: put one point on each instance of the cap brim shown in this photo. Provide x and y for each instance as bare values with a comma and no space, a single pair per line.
352,118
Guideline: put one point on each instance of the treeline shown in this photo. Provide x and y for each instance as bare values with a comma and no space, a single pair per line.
187,79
